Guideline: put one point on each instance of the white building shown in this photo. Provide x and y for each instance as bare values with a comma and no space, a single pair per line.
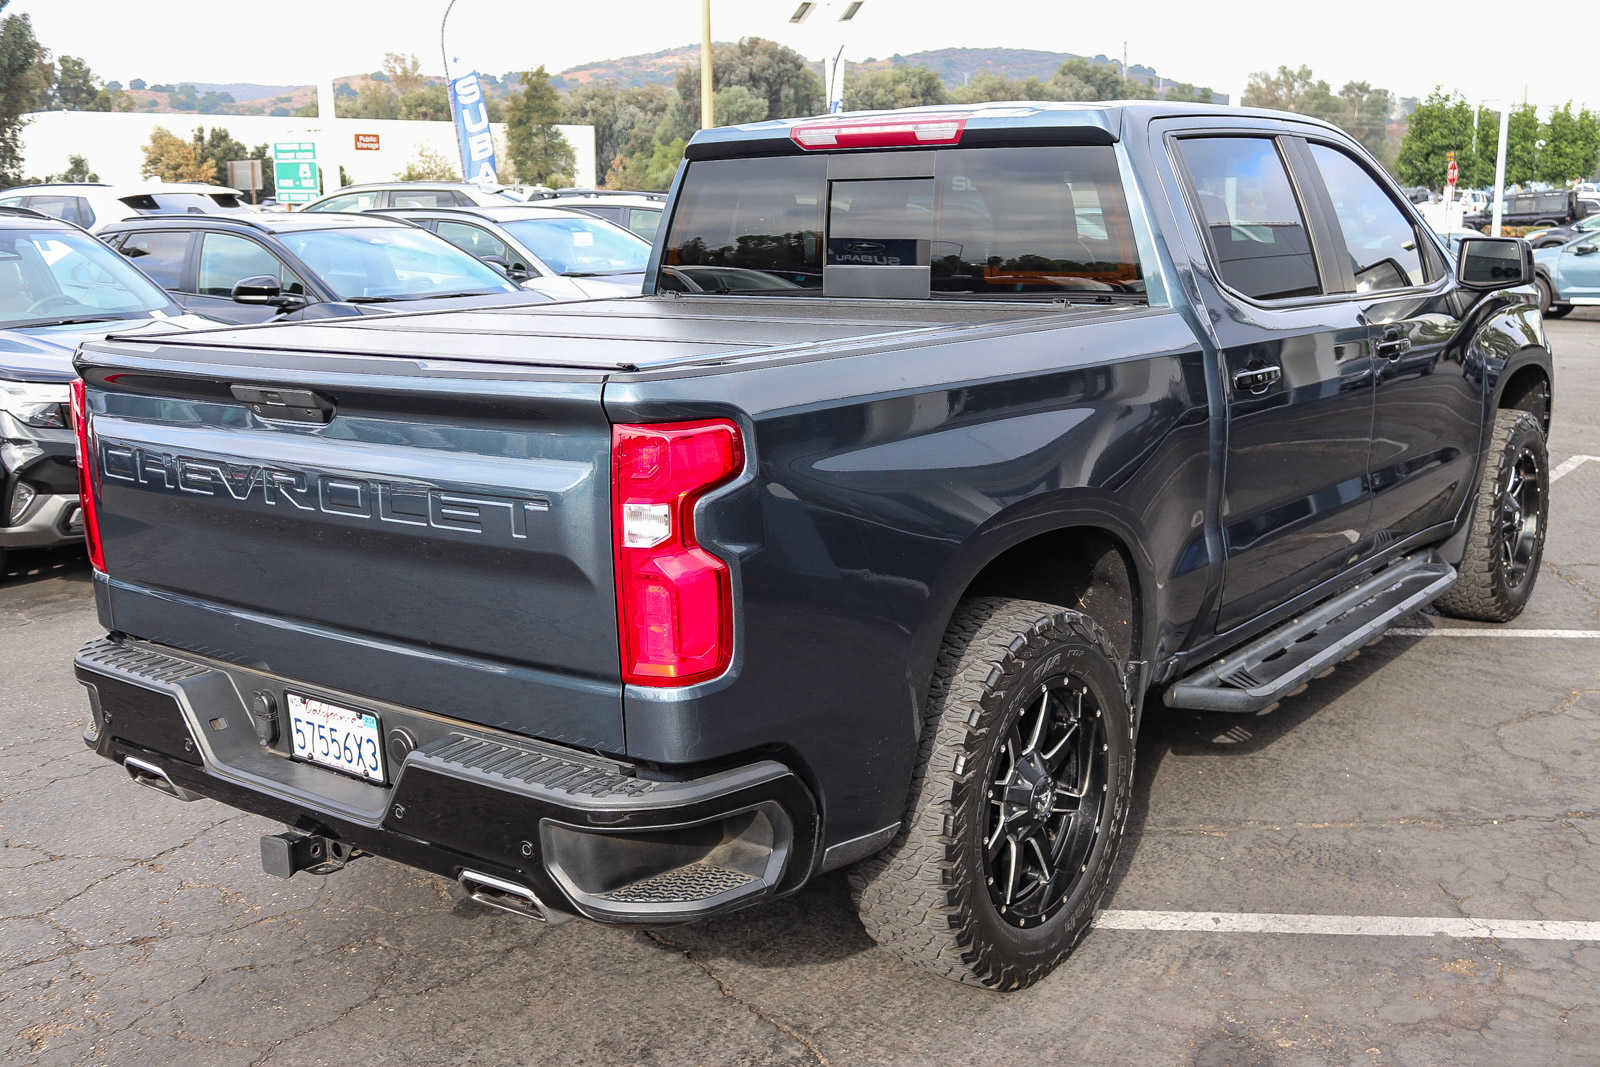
113,142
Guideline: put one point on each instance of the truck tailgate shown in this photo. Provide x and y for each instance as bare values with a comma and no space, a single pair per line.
442,541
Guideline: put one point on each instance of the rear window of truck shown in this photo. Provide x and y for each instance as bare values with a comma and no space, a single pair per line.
999,222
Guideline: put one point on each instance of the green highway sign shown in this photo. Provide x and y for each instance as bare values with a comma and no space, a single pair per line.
294,171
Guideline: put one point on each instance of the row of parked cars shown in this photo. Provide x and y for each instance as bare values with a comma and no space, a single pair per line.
85,260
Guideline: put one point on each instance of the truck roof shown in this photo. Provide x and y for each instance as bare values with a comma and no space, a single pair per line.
617,335
1093,122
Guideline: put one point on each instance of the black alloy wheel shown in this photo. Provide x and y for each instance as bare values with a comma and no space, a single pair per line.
1047,793
1522,512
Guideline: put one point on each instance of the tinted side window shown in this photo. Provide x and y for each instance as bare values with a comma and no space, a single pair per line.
425,198
227,259
1251,217
474,240
644,222
159,255
348,202
1381,239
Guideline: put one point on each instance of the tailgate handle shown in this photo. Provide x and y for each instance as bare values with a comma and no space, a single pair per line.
285,405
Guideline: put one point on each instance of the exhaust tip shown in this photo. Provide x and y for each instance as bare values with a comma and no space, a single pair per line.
509,896
148,774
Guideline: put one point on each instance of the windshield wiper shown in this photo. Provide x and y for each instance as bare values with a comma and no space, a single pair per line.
419,296
76,320
599,273
374,299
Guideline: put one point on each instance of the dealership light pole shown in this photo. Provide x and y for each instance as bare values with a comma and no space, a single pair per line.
833,67
707,119
1500,169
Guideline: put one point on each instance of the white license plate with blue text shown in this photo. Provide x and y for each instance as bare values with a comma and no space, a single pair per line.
341,738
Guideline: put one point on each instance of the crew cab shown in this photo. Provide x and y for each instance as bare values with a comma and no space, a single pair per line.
1023,421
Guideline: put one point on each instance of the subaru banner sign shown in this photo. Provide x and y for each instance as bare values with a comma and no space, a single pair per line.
472,129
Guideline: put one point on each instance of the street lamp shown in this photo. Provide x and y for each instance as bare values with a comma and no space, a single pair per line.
832,68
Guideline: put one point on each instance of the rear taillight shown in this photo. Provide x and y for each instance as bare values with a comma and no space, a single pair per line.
674,599
881,132
91,517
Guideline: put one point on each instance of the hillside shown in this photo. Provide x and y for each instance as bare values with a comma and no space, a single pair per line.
953,65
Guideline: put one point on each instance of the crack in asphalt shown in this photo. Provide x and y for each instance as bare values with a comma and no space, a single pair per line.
727,991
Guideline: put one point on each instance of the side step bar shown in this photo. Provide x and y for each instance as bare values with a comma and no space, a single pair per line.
1282,660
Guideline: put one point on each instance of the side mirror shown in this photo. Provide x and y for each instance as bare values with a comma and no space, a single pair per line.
498,263
263,290
1586,250
1488,263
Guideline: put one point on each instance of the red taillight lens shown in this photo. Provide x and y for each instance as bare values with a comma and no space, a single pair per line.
674,599
91,517
880,132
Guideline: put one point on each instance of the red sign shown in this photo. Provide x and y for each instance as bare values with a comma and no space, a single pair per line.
1450,174
368,142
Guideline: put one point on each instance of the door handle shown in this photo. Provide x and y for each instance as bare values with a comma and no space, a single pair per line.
1256,380
1394,345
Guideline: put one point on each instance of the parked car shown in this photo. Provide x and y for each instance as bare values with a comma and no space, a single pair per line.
58,286
296,266
413,194
638,212
1560,235
1557,207
96,206
567,255
1568,275
653,608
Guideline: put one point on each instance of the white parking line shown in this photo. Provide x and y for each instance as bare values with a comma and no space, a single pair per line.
1570,464
1493,631
1232,922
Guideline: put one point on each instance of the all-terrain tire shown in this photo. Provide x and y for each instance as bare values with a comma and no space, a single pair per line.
1487,589
926,897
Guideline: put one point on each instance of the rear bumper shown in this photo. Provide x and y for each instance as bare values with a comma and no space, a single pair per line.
581,834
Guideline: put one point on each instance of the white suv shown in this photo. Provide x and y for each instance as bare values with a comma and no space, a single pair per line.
95,206
414,195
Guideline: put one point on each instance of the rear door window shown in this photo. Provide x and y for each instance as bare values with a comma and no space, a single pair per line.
1251,217
474,240
1382,242
347,202
160,254
425,198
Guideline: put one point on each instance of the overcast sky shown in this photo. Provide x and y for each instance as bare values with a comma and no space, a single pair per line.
1409,49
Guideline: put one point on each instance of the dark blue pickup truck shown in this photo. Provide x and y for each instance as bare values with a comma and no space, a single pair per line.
944,444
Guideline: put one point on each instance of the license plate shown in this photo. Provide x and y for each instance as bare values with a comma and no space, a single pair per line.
341,738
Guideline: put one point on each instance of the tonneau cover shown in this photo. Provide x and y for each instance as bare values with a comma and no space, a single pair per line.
620,335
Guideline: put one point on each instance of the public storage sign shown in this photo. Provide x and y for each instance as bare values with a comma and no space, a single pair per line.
472,129
366,142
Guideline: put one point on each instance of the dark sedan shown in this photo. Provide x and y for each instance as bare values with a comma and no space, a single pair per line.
300,266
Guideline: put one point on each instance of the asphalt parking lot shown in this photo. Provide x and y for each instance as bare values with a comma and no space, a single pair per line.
1436,778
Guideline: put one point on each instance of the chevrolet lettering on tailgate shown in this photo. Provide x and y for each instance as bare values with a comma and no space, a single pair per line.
343,495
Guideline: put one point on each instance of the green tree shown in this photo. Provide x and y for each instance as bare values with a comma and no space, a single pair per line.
1572,146
138,84
773,72
1521,135
1441,124
889,88
20,53
1184,93
430,103
1296,90
624,119
536,148
76,87
77,172
170,158
1082,79
986,86
219,147
1363,113
429,166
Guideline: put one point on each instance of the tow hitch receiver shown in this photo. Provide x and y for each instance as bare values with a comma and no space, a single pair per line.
284,854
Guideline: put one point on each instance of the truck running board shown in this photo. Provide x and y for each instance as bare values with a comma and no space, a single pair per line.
1283,660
